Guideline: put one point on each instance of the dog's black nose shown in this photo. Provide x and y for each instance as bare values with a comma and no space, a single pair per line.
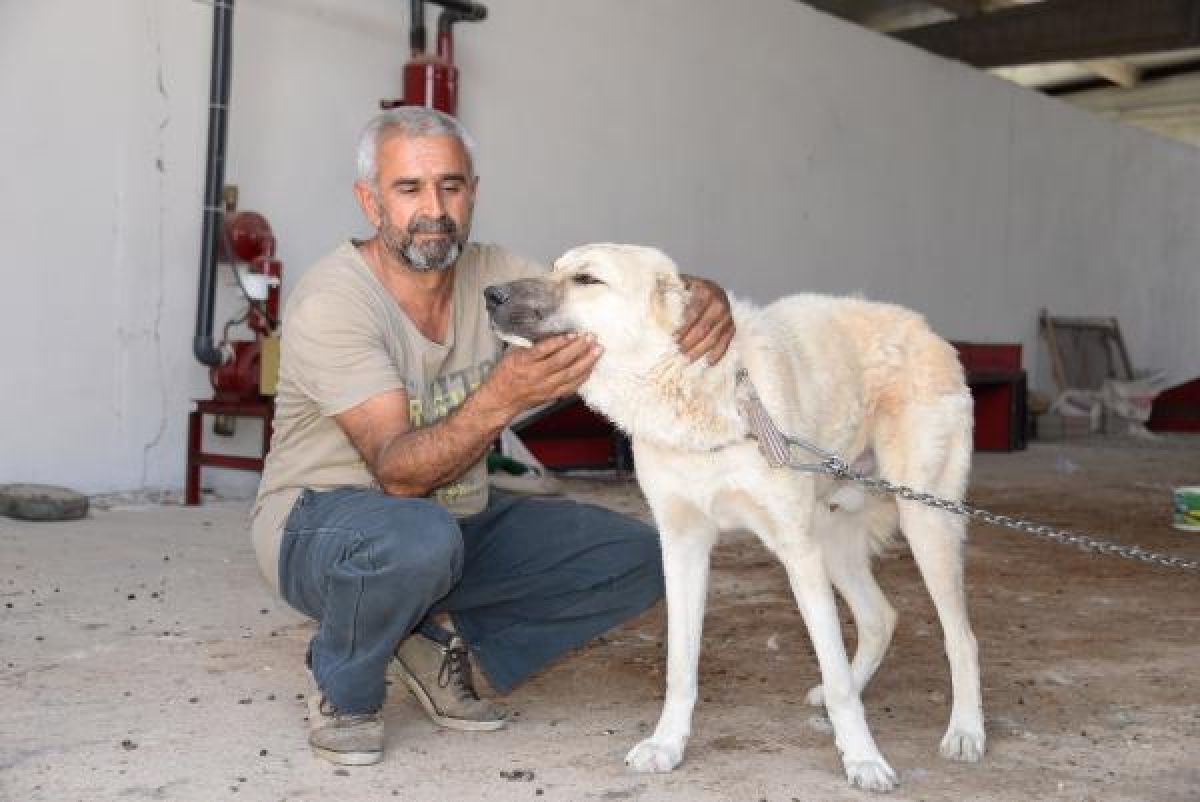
496,296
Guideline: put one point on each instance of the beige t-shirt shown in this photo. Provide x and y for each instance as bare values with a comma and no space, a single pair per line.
345,340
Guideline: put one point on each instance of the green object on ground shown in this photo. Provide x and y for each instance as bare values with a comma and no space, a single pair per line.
498,462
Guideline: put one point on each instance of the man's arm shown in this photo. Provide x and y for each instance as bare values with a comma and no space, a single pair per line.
413,462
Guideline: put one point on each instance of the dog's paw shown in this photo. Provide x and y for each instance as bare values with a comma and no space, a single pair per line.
964,745
816,696
654,755
871,775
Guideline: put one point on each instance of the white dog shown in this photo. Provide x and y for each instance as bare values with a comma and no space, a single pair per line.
852,376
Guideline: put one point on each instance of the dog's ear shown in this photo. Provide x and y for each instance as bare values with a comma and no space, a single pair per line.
667,302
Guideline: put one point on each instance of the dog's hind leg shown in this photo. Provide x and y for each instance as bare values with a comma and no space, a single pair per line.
936,542
936,460
687,539
847,548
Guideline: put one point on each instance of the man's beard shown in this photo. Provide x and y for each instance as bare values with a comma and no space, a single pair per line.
430,254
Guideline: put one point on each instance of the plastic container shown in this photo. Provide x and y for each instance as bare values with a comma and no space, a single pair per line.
1187,509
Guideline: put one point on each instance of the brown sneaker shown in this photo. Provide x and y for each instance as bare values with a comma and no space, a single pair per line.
440,677
348,739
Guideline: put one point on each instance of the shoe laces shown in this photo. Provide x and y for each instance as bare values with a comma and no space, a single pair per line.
456,669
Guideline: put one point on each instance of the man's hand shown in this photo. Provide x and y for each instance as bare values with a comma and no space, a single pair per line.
555,367
707,327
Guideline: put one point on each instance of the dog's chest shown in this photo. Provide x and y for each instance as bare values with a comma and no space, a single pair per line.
727,485
733,487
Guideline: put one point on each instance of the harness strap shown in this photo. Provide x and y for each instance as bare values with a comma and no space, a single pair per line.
775,445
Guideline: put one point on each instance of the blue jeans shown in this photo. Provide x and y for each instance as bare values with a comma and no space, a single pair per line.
524,581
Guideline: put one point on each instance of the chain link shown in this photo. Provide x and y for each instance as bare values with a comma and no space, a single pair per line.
836,466
778,448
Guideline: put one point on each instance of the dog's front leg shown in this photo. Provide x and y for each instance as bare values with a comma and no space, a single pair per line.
687,541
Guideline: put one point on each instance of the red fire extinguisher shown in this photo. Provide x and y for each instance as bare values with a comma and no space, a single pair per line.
249,247
431,79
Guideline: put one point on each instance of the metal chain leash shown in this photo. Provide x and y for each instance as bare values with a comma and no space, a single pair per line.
778,448
836,466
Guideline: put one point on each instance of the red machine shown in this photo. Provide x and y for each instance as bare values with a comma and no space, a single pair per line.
249,247
432,79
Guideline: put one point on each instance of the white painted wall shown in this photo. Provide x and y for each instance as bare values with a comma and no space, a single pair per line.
764,144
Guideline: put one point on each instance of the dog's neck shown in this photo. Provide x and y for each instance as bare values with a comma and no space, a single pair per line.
660,396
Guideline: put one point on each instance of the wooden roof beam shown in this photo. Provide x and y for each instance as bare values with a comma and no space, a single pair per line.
1062,30
1116,71
962,8
1119,72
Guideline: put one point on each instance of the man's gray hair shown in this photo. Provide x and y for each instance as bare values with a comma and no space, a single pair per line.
408,122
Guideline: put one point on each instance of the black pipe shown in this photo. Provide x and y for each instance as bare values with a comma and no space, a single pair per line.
452,15
471,12
416,27
214,180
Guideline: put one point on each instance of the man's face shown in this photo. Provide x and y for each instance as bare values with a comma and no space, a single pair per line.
423,200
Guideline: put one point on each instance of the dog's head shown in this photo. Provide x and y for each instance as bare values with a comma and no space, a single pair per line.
627,296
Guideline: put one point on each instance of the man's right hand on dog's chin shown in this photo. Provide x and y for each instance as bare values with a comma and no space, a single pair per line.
550,369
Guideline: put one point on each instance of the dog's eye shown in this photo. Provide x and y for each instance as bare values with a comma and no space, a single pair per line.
583,279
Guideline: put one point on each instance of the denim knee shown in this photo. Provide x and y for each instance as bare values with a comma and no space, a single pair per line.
645,548
635,549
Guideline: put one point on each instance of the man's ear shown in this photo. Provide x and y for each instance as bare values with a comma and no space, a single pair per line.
368,201
667,303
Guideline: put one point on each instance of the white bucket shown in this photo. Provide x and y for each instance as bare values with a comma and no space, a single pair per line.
1187,509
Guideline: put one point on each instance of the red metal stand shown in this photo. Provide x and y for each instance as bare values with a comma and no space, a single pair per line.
567,435
197,457
997,384
1000,409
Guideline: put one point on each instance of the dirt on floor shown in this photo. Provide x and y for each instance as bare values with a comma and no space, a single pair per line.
144,659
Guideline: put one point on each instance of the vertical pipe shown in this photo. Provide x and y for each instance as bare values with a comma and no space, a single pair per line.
214,180
445,36
416,28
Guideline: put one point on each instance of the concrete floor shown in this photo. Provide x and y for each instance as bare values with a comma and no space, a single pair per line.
143,658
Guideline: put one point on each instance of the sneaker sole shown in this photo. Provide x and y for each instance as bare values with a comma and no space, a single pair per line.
463,724
348,758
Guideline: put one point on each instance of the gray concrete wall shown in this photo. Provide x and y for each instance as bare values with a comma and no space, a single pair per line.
764,144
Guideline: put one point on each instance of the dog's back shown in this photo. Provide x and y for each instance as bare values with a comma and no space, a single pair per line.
889,345
859,372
